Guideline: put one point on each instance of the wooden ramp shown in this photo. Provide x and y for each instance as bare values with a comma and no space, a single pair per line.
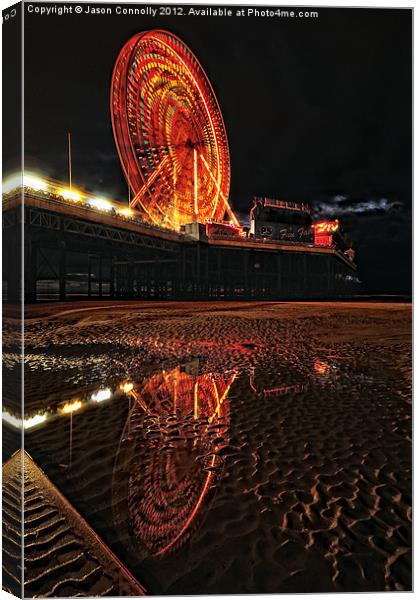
63,555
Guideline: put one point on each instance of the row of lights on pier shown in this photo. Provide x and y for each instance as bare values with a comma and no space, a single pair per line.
38,184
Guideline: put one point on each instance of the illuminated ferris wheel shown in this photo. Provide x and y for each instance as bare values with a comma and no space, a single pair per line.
169,132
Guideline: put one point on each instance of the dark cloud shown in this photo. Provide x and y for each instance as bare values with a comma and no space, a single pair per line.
343,205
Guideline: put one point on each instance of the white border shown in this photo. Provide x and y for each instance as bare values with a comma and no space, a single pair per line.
320,3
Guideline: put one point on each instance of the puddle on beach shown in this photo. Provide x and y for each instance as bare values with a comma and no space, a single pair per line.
244,480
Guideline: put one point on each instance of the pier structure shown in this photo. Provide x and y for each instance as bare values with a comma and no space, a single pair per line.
74,250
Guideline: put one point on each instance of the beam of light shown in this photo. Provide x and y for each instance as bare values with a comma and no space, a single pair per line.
69,195
71,407
100,204
101,395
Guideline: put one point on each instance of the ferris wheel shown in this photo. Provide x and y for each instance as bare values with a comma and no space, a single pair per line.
169,132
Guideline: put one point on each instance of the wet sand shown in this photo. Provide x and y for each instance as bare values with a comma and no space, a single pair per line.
63,556
312,483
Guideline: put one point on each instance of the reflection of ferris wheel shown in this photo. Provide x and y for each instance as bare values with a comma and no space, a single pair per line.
168,461
169,132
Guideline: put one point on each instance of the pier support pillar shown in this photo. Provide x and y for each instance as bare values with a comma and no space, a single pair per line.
246,273
89,275
278,275
112,278
305,289
100,276
14,281
130,275
62,274
31,271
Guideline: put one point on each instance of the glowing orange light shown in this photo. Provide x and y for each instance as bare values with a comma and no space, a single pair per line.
326,227
71,407
321,367
195,393
126,212
69,195
126,387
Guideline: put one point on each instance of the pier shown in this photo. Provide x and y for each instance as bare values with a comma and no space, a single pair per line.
73,250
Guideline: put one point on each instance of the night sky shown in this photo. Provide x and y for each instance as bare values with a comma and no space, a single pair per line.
316,110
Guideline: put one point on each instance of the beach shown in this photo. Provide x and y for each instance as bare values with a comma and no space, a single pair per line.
227,447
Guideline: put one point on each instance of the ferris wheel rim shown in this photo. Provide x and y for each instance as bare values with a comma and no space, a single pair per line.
213,117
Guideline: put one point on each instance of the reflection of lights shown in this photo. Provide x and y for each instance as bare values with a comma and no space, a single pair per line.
321,366
100,203
11,419
68,408
35,420
126,387
69,195
166,502
195,394
27,423
223,397
101,395
71,407
281,391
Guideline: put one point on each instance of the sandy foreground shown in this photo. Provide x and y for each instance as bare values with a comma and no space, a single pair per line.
57,541
263,447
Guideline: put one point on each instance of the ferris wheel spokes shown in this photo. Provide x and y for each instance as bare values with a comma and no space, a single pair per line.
149,182
227,205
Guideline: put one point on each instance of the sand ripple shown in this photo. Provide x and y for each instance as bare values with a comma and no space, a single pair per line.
308,476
